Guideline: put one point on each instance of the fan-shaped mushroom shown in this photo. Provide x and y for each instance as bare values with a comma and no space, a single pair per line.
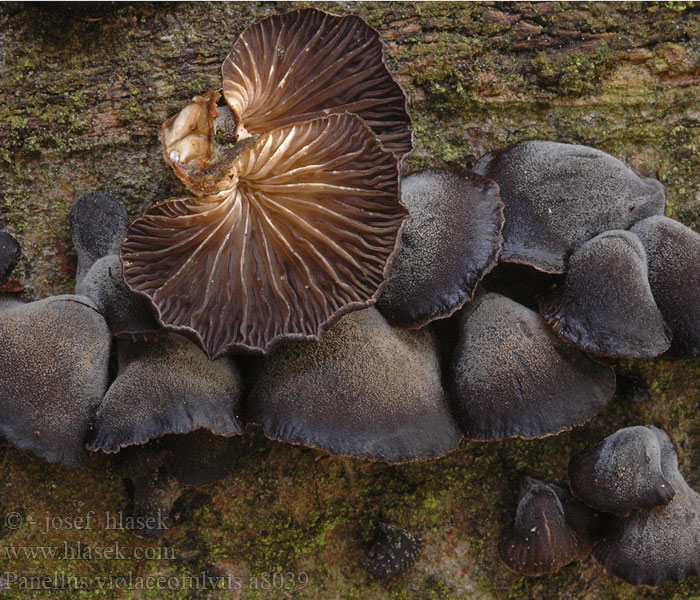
295,225
673,254
558,196
606,305
166,387
364,389
652,546
511,376
301,233
622,473
550,530
451,240
53,373
98,223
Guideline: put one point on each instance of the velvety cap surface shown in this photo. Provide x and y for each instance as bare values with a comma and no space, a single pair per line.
558,196
510,376
452,238
364,389
606,305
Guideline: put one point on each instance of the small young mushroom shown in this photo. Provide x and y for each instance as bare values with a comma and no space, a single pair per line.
653,546
550,530
10,251
393,551
623,472
510,376
166,387
558,196
152,488
98,223
673,254
364,389
606,305
201,458
54,361
452,238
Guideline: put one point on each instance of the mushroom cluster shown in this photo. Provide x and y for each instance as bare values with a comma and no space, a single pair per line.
386,322
632,509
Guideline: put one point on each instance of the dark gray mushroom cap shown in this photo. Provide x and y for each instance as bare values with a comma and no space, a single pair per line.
451,239
365,389
164,387
54,360
652,546
197,458
558,196
127,314
622,473
606,305
99,224
511,376
393,551
550,530
673,255
10,251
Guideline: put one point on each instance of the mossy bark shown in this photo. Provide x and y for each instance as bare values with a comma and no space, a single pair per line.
83,93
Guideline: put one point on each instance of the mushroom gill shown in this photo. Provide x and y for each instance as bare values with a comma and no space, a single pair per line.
302,231
306,64
550,530
298,212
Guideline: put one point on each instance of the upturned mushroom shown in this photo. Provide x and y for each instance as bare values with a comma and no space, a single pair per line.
558,196
605,304
451,240
550,530
510,376
622,473
297,214
365,389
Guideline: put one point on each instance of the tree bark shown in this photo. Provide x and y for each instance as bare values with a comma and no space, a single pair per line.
83,93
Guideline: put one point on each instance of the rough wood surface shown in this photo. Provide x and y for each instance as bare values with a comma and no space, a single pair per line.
83,92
